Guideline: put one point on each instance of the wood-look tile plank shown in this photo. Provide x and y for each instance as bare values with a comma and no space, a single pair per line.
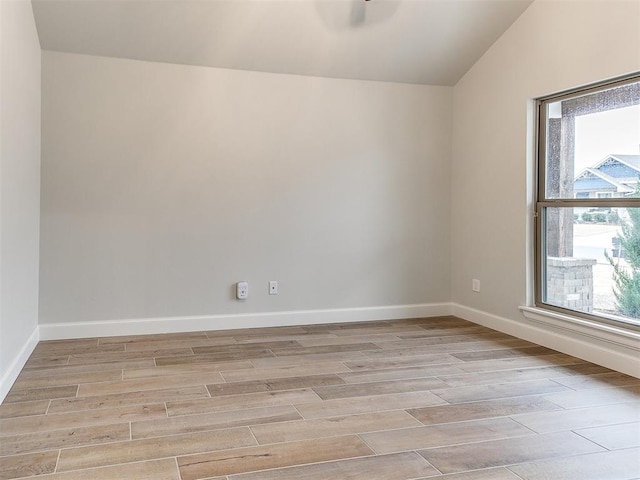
108,349
516,375
476,330
459,458
274,384
320,329
213,421
388,363
504,353
153,448
149,383
165,469
487,392
27,465
152,337
92,367
602,380
444,434
311,359
377,403
87,359
264,332
41,351
157,345
421,332
475,335
359,324
249,339
616,465
441,321
404,373
70,342
614,437
547,422
416,351
583,368
379,330
435,340
595,397
47,361
347,347
103,416
283,372
326,327
50,347
379,388
420,322
349,340
437,322
479,410
41,393
518,362
130,398
235,402
499,473
23,409
185,369
63,438
334,426
264,457
244,347
74,379
188,358
397,466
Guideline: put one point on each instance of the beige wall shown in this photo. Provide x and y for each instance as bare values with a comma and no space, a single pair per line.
19,185
553,46
162,185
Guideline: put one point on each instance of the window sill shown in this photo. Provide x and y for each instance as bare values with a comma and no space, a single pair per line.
602,332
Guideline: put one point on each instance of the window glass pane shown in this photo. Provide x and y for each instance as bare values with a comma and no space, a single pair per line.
592,144
598,271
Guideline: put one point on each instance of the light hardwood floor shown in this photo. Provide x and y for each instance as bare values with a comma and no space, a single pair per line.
395,400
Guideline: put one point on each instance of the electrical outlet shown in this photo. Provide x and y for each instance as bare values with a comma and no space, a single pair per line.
475,285
242,290
273,287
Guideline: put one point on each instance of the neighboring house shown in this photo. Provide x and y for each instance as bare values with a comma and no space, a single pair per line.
613,177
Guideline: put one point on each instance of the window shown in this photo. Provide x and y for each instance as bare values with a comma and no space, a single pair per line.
588,203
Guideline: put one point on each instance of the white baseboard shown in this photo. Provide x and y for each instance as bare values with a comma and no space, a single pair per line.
9,377
57,331
623,356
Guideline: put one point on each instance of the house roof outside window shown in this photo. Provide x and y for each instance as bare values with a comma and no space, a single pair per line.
615,173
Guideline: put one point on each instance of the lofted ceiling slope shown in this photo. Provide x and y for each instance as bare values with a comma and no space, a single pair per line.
410,41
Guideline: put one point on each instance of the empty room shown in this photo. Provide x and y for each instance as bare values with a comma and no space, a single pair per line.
320,239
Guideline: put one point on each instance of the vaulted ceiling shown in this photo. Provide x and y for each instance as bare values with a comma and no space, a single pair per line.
412,41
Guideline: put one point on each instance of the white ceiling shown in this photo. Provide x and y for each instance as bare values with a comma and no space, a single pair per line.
412,41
